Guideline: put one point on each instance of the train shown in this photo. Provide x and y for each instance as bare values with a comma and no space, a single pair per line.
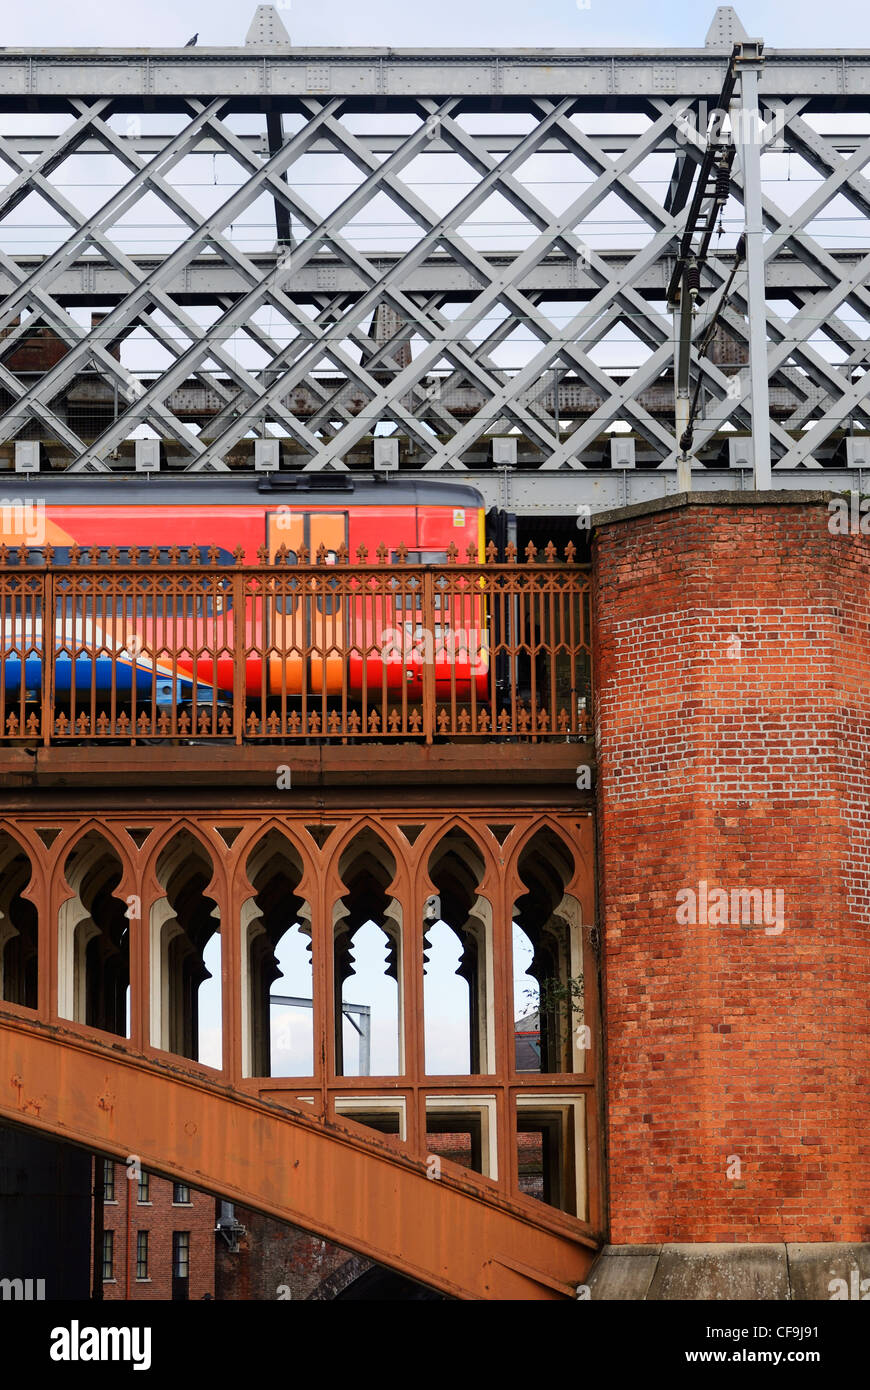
294,516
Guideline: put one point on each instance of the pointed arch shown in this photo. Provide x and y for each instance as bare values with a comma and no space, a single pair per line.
94,935
184,919
367,925
581,884
252,833
211,845
551,920
274,914
456,866
19,925
372,828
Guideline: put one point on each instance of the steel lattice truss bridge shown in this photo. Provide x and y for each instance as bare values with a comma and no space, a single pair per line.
467,253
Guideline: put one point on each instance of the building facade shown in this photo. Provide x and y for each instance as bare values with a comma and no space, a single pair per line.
156,1240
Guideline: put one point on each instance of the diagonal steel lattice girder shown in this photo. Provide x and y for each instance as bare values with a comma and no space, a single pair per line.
445,246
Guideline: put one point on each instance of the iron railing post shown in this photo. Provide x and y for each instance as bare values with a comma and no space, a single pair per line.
239,655
49,647
428,652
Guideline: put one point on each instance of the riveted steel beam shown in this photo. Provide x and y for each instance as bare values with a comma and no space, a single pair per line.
169,75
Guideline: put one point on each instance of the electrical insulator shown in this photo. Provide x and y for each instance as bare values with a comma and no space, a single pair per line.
723,184
693,279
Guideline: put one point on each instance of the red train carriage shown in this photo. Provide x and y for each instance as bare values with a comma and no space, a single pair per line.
312,635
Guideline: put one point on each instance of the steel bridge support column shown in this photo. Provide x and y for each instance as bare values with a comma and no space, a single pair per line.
682,357
749,144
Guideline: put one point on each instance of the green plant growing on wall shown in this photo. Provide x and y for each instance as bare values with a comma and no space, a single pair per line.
561,1000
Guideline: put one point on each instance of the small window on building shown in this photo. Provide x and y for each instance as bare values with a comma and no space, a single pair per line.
142,1255
181,1194
144,1193
108,1254
108,1180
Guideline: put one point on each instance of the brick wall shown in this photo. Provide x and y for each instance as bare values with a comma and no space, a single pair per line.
733,675
277,1261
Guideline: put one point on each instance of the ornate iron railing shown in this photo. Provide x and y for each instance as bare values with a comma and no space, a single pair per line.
126,644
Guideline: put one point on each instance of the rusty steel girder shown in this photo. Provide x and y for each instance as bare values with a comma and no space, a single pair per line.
445,1233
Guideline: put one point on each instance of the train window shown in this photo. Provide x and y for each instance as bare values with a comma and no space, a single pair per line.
329,602
409,595
21,608
219,602
99,555
414,599
285,601
325,603
442,633
143,606
422,557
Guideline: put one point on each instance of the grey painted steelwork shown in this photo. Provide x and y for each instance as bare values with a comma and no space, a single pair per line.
750,158
523,492
344,336
584,493
363,1028
83,282
170,74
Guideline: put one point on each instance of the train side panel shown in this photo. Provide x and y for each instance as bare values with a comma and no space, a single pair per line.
425,531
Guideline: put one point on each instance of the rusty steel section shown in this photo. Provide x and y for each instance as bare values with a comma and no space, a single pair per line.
355,1193
139,645
96,905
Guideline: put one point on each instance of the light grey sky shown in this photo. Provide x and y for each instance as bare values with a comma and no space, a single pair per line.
445,1004
450,23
